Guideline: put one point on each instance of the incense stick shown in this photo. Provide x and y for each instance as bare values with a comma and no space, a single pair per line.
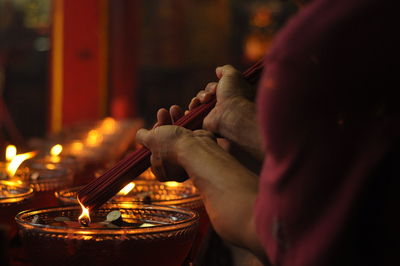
100,190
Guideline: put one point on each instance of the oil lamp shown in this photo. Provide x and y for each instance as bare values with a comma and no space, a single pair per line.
182,195
46,178
55,156
150,235
14,197
55,152
11,167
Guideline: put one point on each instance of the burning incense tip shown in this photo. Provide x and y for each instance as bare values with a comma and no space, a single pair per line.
84,221
84,218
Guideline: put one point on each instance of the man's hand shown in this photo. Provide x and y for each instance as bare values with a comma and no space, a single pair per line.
231,89
234,116
166,143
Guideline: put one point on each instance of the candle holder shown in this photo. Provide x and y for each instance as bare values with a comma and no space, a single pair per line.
182,195
21,173
165,239
45,179
15,196
67,161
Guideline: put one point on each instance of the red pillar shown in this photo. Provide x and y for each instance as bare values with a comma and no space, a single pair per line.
123,58
79,61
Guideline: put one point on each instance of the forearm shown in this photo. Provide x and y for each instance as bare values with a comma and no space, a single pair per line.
240,126
228,190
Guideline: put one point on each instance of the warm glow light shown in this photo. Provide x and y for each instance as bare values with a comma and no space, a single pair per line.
17,161
93,138
147,225
84,218
76,146
262,18
108,125
11,151
12,182
127,205
126,189
56,150
148,175
50,166
172,184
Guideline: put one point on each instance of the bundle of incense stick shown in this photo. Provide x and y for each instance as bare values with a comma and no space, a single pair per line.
100,190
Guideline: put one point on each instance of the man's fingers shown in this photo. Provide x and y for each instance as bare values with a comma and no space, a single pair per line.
176,112
204,96
163,117
193,103
211,87
226,70
207,97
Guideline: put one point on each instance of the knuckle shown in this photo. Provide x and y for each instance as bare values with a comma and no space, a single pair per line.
200,93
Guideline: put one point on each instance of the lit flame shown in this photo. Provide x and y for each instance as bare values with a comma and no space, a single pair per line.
84,218
126,189
93,138
17,161
148,175
11,151
172,184
56,150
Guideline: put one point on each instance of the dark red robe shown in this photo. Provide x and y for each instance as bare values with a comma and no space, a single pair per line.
329,109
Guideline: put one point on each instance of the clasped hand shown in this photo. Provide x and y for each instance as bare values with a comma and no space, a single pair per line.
169,143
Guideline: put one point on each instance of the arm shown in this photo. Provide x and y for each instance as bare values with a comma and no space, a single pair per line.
228,189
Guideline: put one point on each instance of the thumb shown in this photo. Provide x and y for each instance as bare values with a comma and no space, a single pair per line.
210,121
142,136
226,70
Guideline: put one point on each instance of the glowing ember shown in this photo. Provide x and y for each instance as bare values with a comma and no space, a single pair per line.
11,151
17,161
84,218
56,150
126,189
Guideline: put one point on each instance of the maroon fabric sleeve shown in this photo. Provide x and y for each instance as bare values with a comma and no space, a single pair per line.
328,106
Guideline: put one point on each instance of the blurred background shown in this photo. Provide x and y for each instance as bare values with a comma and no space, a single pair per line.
65,62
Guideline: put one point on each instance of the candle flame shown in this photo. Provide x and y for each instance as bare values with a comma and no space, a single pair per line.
108,125
148,175
11,151
56,150
128,188
84,218
172,184
17,161
76,147
50,166
93,138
